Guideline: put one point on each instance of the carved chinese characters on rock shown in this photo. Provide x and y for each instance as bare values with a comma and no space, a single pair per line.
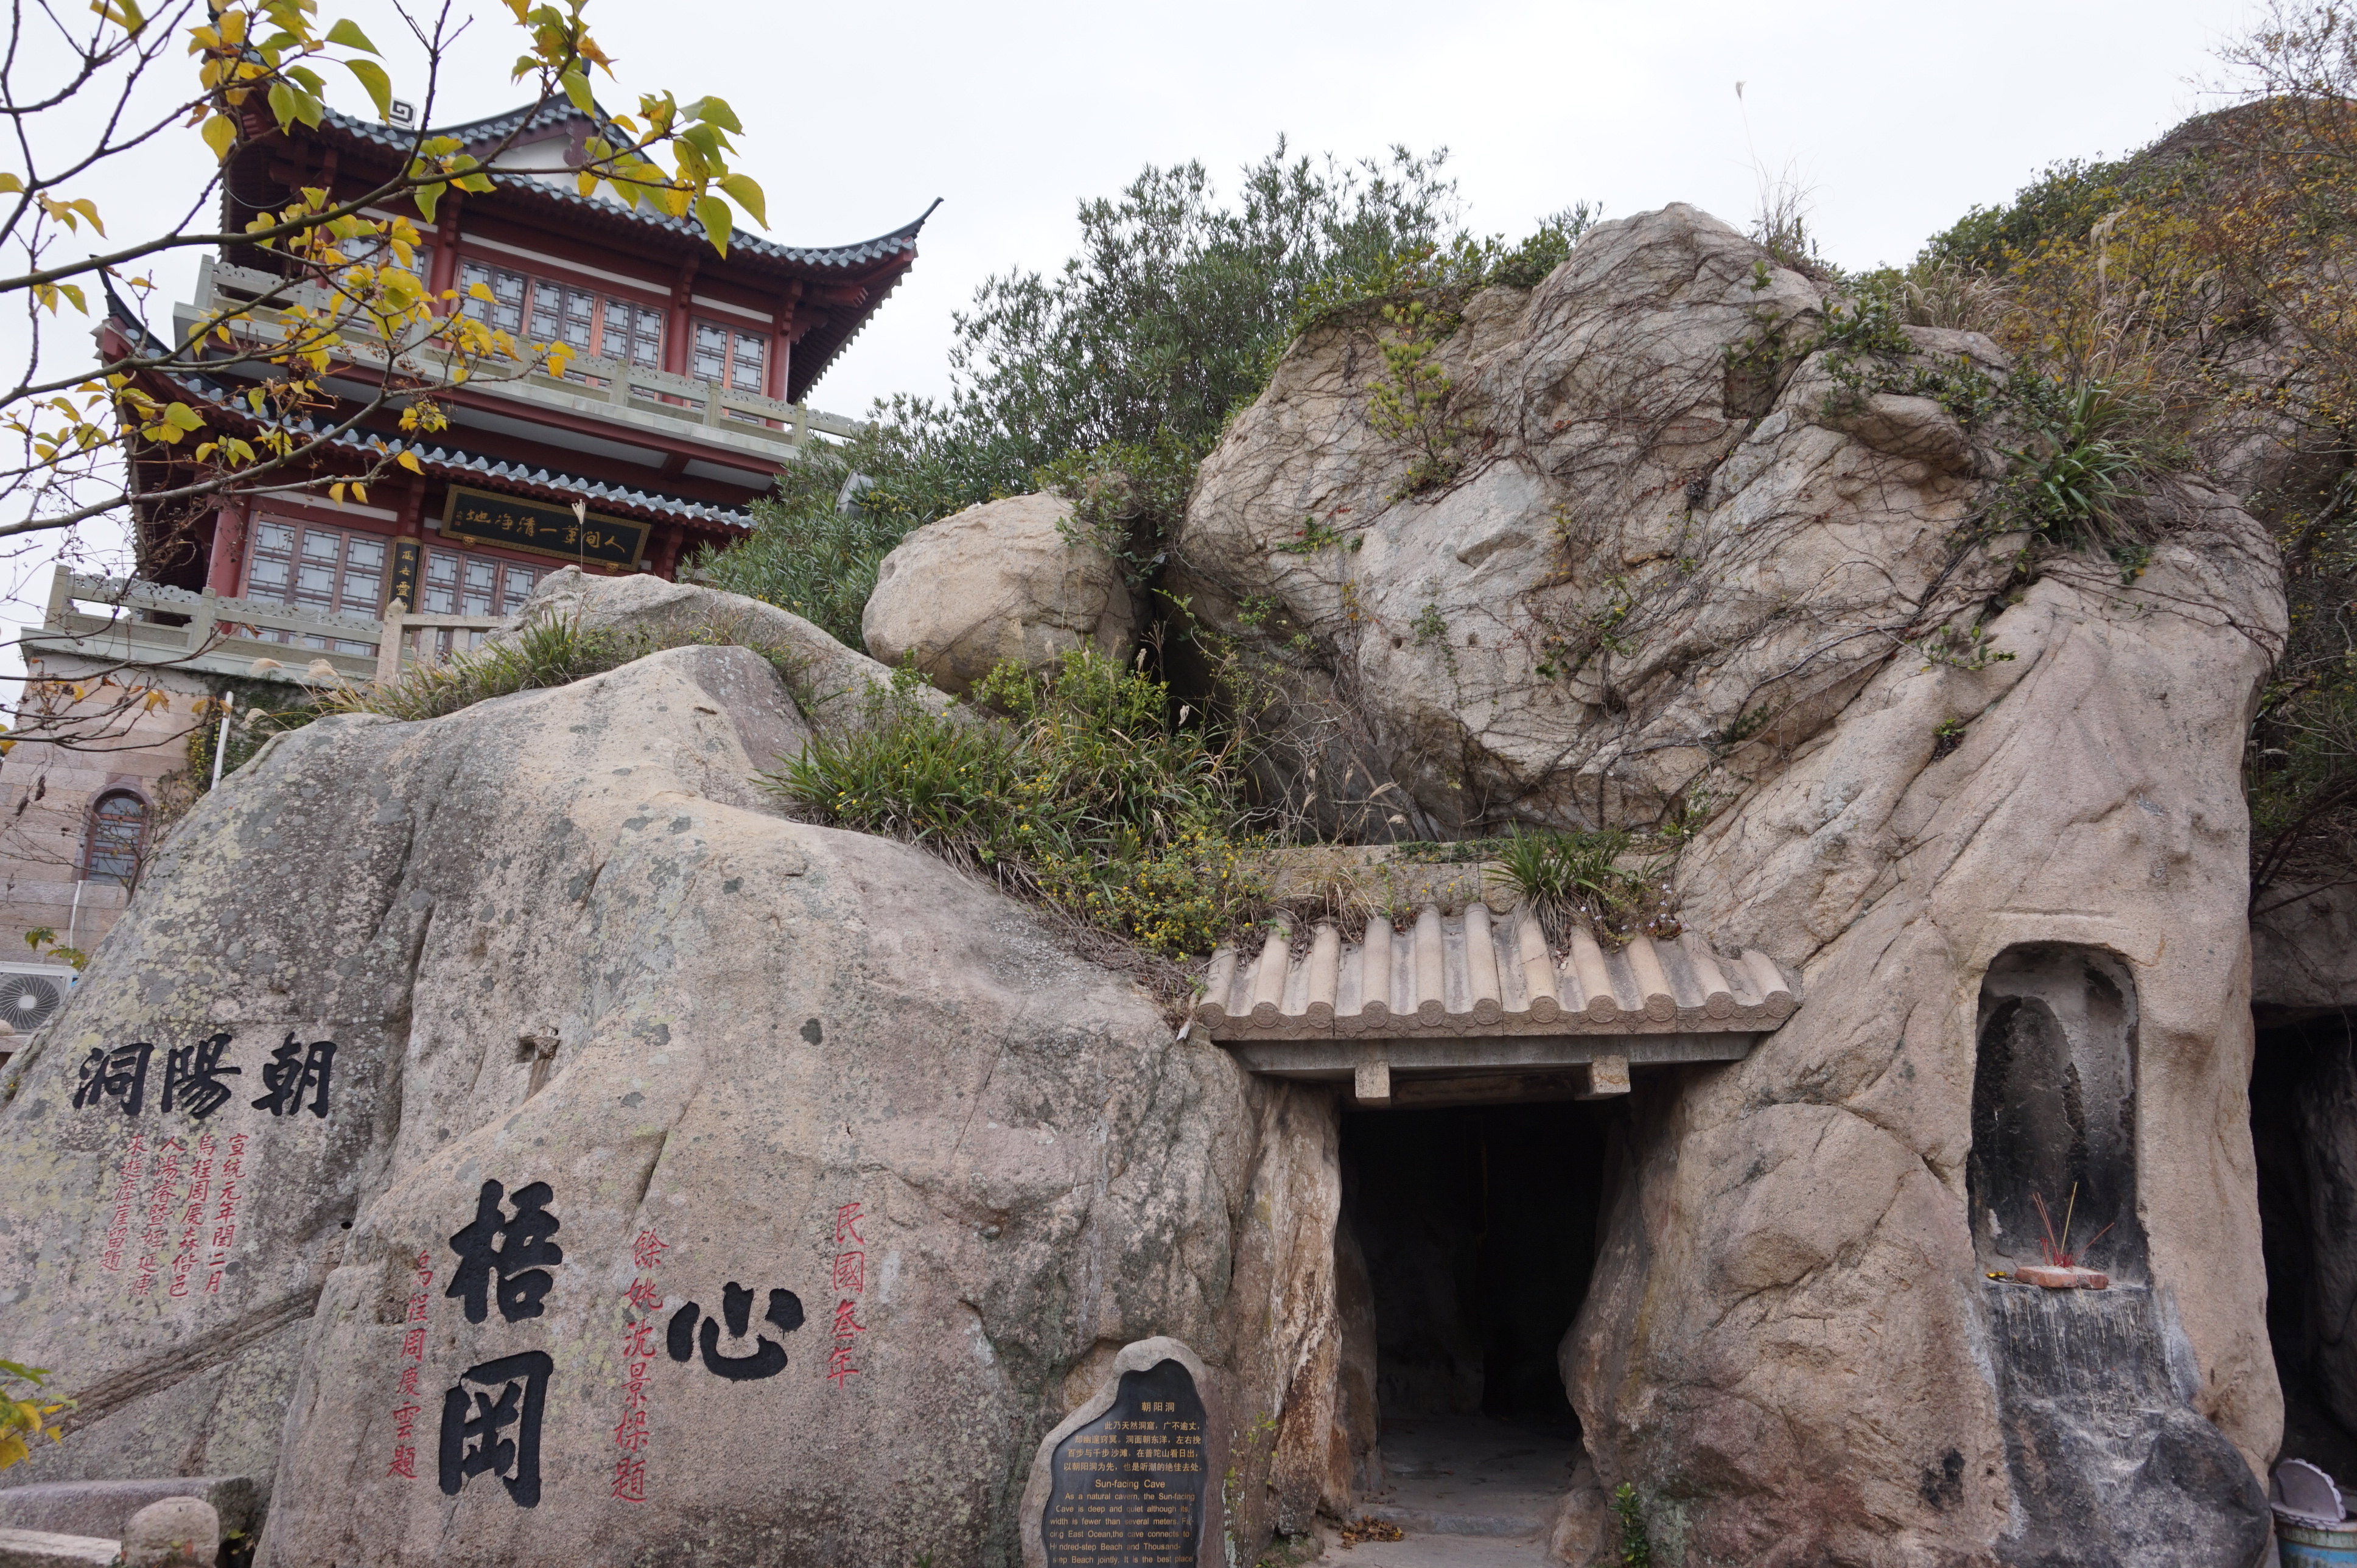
126,1199
767,1358
516,1249
407,1408
638,1358
492,1416
160,1202
297,1077
193,1208
185,1191
491,1424
850,1281
1129,1486
231,1194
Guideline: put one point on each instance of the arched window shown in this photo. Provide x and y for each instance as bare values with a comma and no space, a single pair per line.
118,832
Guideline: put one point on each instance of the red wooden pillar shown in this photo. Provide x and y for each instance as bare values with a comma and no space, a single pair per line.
224,568
781,341
676,347
663,558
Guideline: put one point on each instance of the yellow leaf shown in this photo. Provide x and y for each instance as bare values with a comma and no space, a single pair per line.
745,194
336,494
10,184
373,77
409,461
712,214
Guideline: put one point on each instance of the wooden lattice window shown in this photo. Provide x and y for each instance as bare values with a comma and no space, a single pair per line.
729,358
587,322
330,571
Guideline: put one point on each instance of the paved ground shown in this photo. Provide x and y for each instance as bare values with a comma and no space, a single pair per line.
1442,1552
1468,1492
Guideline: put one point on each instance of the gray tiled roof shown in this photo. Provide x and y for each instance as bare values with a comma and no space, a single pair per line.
1476,973
516,121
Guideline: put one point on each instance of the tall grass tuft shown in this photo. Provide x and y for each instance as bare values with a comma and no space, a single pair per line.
1577,876
1086,788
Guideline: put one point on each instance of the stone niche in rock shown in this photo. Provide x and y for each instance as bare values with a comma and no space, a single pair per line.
2110,1464
2054,1128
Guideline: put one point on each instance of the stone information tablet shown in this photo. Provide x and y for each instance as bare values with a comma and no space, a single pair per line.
1129,1485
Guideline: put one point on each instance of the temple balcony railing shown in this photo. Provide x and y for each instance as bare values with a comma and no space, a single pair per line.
759,426
124,621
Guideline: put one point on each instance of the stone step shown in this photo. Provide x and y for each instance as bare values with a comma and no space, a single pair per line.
45,1549
105,1507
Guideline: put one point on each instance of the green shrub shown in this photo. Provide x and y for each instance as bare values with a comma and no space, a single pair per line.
1127,496
1527,264
1636,1545
1082,788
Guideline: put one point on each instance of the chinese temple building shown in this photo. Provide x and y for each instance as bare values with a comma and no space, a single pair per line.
684,394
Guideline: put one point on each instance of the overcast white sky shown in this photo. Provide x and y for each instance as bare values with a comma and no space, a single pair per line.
1899,114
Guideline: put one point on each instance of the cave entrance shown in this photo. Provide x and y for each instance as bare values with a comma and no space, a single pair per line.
2303,1107
1477,1229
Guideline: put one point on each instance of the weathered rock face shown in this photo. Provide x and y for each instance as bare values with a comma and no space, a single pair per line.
1002,581
830,684
1672,554
1789,1341
1680,568
2304,949
612,1037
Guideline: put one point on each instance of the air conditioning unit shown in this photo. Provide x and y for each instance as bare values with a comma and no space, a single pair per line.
31,992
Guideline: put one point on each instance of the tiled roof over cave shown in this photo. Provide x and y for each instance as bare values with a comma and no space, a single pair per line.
1480,974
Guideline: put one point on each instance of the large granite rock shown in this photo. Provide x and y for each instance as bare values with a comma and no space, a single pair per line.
1676,550
1687,569
614,1036
831,684
1006,580
1789,1346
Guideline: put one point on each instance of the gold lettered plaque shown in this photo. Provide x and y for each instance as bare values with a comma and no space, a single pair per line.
543,528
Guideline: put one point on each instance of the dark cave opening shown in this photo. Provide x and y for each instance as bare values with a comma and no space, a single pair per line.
2303,1096
1478,1230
